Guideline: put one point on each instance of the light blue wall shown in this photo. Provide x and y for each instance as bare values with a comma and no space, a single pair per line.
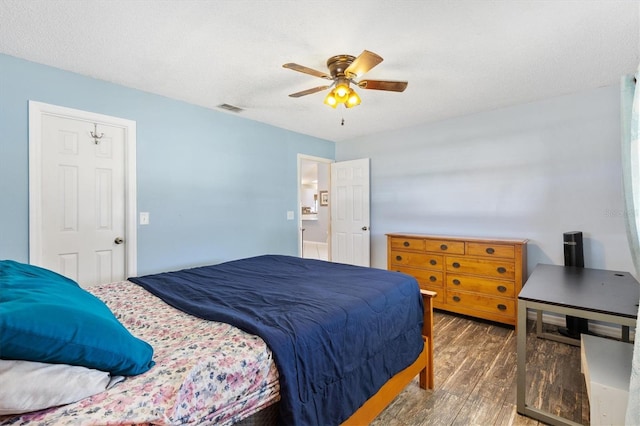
217,186
530,171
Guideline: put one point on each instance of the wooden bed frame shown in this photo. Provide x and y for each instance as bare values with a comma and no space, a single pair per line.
422,366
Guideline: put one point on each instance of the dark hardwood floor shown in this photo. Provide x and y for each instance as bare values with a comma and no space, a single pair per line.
475,378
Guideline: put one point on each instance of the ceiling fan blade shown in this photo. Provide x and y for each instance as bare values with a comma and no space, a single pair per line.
308,91
392,86
307,70
363,63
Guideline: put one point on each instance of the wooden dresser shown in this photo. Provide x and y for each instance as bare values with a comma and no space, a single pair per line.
480,277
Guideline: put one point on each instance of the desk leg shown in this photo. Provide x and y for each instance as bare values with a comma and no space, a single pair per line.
521,341
625,334
521,345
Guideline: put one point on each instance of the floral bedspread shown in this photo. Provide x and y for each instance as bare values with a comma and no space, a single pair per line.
206,372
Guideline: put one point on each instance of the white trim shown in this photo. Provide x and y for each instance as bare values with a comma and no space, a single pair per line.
36,111
299,189
598,328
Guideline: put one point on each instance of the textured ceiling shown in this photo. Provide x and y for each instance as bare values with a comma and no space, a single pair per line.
459,56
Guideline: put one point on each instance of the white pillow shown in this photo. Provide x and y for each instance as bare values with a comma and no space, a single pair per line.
31,386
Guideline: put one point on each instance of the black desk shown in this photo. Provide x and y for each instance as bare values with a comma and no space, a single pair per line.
608,296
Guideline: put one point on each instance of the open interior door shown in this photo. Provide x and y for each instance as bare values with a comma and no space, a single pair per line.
349,198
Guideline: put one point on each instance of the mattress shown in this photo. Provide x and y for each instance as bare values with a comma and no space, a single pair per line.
206,372
338,332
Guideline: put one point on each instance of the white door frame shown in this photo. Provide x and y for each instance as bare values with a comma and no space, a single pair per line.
36,111
299,201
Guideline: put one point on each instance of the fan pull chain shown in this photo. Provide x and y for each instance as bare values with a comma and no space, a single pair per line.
342,123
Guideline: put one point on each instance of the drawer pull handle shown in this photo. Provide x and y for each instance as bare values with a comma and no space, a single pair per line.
455,265
502,288
502,307
398,258
456,298
502,270
432,278
490,250
443,247
433,262
456,282
406,244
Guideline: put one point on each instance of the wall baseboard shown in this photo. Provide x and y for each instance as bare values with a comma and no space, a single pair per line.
598,328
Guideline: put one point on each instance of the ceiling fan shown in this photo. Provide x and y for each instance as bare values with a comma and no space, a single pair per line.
343,71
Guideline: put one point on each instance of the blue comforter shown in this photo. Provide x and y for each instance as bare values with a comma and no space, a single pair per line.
338,332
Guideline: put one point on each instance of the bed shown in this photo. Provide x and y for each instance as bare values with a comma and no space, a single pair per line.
209,372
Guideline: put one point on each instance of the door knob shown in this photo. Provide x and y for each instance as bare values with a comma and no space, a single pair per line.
118,240
364,228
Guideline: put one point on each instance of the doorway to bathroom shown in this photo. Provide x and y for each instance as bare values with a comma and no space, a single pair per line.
314,181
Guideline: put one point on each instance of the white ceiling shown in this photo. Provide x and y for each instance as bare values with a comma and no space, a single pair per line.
459,56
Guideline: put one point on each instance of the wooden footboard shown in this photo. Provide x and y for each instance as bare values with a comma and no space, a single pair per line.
422,366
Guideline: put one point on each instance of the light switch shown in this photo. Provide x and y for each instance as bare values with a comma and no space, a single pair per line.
144,218
290,215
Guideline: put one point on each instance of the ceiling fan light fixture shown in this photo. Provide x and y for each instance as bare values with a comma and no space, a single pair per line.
343,69
353,99
331,100
341,92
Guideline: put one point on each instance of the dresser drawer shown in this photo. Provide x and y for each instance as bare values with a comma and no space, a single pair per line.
481,285
433,279
427,280
444,246
506,251
439,300
407,243
494,305
421,260
491,268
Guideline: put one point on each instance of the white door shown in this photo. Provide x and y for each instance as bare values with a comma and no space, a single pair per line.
82,227
349,199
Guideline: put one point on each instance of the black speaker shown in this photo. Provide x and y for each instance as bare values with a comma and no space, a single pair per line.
573,249
574,256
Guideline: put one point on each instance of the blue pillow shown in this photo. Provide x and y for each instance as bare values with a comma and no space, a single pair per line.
46,317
